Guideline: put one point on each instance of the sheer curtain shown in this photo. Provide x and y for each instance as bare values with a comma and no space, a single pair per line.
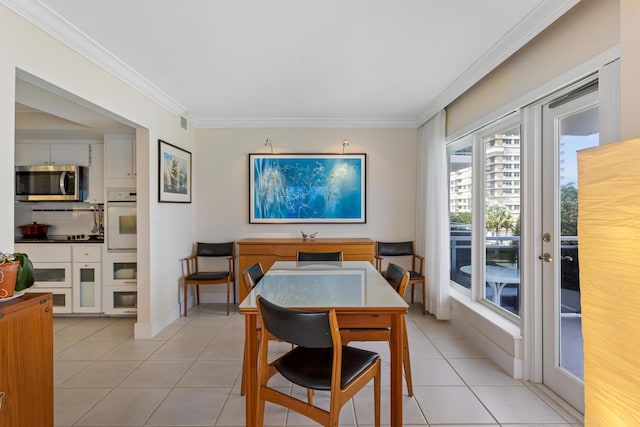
432,213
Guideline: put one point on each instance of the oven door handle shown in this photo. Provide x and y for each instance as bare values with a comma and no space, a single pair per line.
63,178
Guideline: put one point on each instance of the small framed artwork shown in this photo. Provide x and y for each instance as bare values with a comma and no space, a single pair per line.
307,188
174,173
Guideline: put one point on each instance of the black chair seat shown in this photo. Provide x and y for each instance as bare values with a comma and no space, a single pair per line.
208,275
311,368
415,275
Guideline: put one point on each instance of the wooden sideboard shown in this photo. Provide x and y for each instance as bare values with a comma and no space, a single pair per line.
26,361
268,251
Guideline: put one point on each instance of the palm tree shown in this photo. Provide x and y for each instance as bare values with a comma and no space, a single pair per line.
498,217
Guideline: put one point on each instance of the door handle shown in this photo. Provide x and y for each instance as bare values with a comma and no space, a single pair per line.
63,177
546,257
1,396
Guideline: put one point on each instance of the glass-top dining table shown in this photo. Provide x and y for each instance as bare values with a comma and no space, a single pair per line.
361,297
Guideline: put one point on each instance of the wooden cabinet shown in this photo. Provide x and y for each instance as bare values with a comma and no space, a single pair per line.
28,154
268,251
26,361
120,161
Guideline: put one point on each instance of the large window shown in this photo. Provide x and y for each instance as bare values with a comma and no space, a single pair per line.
484,208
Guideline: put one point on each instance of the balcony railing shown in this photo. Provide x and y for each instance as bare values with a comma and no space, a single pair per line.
504,251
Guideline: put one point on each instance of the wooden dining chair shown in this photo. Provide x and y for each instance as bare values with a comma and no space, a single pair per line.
252,275
405,249
319,361
195,276
319,256
398,278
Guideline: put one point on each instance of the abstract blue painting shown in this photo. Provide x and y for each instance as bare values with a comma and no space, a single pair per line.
307,188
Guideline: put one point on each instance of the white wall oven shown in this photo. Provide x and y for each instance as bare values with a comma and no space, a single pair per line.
121,279
121,220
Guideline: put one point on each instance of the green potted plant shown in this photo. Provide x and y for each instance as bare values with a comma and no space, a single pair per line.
16,273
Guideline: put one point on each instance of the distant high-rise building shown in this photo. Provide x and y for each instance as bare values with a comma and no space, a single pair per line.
502,175
502,172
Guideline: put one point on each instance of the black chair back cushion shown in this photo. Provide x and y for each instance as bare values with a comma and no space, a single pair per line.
215,249
303,328
394,275
395,248
310,363
319,256
255,273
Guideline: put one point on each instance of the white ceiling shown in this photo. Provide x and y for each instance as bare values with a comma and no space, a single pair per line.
297,62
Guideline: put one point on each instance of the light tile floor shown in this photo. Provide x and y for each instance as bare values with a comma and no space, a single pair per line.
189,375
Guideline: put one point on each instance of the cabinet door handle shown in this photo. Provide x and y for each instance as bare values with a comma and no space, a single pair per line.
1,396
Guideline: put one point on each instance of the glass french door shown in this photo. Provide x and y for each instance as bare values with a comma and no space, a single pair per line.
570,123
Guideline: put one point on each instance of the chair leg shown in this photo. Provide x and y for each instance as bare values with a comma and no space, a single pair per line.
185,299
198,294
376,396
424,297
413,288
244,359
406,362
260,410
233,283
228,286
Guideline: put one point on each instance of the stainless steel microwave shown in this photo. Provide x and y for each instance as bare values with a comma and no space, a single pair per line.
50,183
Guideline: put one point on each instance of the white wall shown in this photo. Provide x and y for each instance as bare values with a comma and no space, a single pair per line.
630,67
590,28
221,186
166,230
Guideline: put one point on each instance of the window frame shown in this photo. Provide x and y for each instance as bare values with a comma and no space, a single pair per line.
476,139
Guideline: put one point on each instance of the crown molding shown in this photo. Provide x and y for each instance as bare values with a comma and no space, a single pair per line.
529,27
198,122
49,21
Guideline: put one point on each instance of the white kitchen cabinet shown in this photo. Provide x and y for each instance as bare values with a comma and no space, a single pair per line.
72,273
87,287
87,278
121,279
96,174
120,161
71,153
52,268
33,154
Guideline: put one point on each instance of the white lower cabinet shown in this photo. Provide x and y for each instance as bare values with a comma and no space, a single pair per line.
52,268
87,278
87,289
72,273
121,278
61,298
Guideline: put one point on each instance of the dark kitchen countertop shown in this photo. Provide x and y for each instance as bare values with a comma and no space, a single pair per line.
60,239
